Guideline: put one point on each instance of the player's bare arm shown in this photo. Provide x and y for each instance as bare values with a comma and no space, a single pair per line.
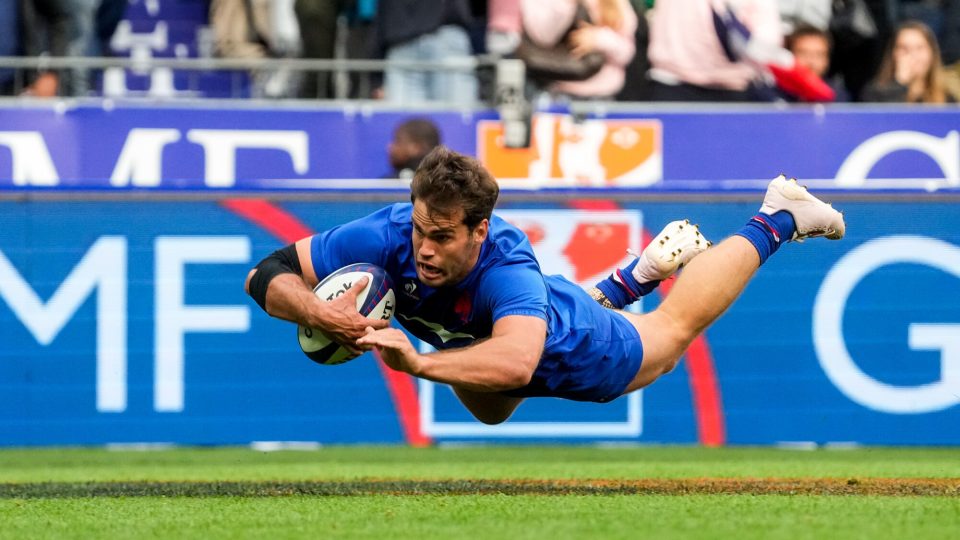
288,295
505,361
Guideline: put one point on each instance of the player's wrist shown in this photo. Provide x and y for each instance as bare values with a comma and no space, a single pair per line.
319,315
417,365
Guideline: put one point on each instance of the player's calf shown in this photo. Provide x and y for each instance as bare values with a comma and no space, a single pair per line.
675,246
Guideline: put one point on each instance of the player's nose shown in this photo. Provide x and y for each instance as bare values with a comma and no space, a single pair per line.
426,250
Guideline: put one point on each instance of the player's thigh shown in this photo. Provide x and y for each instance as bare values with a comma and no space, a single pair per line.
488,407
663,343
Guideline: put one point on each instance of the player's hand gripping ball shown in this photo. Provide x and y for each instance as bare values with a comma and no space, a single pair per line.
375,301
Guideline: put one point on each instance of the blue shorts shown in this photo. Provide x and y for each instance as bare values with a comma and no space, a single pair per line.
594,359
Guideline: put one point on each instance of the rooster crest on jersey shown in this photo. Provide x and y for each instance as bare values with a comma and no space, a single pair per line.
375,301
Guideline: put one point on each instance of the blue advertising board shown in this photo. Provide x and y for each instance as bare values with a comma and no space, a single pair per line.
125,321
113,147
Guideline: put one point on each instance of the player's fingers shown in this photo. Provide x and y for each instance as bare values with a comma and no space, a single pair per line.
358,286
364,346
380,338
371,338
359,341
378,324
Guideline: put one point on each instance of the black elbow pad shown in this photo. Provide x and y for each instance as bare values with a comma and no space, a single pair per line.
281,261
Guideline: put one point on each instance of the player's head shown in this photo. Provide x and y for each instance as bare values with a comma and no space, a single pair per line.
453,198
811,47
412,140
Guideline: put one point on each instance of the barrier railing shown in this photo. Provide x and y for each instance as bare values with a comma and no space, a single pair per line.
238,67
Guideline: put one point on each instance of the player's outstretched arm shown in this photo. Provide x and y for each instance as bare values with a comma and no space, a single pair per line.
282,285
504,361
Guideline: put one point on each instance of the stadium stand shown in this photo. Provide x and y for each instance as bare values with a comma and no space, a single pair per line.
165,49
171,29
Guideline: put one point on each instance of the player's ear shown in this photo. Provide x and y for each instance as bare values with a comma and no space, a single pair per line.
481,230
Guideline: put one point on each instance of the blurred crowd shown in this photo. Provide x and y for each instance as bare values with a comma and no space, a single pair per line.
632,50
55,28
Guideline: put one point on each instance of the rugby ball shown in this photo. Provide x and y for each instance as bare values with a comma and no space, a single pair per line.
375,301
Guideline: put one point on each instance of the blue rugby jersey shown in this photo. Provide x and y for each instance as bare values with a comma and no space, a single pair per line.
590,353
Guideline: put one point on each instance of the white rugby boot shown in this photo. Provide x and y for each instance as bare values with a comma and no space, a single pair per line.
675,246
813,217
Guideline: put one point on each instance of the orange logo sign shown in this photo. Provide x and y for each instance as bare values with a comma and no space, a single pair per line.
586,153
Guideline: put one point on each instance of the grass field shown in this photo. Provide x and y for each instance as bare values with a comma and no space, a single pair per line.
481,492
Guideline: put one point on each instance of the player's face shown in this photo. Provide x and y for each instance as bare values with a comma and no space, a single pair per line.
445,249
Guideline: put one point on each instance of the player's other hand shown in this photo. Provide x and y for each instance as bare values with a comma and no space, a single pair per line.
341,320
395,349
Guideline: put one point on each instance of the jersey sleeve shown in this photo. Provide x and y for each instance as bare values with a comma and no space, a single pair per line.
515,290
365,240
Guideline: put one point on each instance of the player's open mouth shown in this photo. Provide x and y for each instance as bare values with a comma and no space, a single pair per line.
429,271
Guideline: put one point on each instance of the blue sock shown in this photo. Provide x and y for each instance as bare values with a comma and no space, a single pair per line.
767,232
622,289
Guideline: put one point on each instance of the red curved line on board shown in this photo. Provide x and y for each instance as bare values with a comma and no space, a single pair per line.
272,219
403,392
704,385
287,228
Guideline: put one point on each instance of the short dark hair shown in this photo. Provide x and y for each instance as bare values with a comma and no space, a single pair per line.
805,30
420,130
447,180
